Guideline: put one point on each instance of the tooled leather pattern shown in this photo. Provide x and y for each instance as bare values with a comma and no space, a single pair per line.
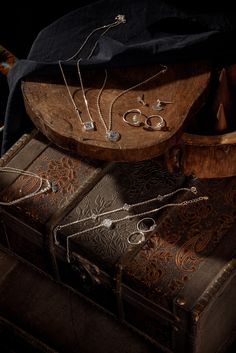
67,172
185,238
126,183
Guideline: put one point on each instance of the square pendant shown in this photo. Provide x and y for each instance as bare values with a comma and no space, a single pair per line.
89,126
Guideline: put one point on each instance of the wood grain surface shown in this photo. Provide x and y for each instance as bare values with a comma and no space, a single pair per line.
211,154
49,106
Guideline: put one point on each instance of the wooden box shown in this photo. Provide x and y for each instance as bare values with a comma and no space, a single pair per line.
175,286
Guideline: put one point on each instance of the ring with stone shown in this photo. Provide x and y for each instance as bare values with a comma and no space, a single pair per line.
155,122
133,117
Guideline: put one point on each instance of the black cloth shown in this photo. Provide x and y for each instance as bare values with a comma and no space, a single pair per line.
155,31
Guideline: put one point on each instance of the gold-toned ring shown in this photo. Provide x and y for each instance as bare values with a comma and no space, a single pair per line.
159,125
133,117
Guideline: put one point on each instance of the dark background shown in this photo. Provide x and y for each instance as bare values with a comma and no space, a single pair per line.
21,23
19,27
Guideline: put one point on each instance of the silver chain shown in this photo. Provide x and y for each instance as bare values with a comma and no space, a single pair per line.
130,89
119,19
108,128
69,93
38,191
107,223
126,207
87,125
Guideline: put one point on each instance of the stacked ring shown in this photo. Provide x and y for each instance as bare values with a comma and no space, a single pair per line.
145,225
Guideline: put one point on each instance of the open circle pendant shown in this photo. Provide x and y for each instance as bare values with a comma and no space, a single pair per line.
113,136
155,122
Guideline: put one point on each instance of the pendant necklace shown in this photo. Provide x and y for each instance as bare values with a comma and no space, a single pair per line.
49,186
88,125
112,135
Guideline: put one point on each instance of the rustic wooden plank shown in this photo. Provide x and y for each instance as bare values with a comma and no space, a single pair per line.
50,108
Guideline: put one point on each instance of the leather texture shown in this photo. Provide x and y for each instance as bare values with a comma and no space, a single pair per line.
174,287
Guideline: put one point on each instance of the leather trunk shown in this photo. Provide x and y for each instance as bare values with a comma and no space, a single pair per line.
176,288
33,320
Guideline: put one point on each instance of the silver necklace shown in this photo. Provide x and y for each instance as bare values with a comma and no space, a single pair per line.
39,190
87,125
109,223
112,135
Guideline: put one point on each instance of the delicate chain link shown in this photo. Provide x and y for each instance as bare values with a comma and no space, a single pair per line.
69,93
127,207
183,203
105,222
110,222
118,20
83,91
38,191
129,89
98,101
109,127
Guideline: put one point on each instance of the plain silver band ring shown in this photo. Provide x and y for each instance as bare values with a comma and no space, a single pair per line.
151,227
139,241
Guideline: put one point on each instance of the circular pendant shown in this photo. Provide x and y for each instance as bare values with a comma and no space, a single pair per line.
113,136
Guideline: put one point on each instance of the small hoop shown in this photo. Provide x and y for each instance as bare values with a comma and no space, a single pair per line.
133,117
146,225
159,125
140,238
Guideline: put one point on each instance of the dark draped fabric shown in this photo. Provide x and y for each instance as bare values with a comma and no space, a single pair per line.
156,31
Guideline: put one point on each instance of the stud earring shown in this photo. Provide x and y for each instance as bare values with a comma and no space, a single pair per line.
141,100
160,105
